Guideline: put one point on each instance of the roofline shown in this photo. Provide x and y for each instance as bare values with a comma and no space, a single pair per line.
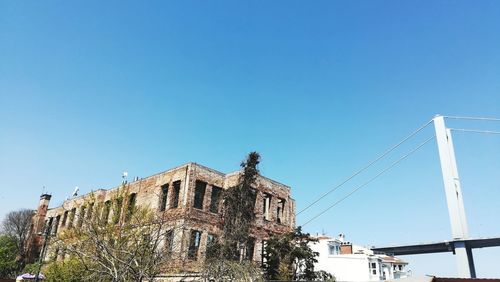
169,170
266,178
208,168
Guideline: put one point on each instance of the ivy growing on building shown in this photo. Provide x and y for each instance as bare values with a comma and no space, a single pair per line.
225,257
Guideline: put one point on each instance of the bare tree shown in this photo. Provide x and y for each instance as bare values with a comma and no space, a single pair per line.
231,270
17,225
124,246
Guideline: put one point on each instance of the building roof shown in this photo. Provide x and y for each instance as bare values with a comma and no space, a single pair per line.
392,259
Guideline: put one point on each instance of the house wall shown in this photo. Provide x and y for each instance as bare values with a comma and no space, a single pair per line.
360,265
346,267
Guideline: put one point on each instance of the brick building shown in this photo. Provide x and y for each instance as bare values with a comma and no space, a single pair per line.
189,197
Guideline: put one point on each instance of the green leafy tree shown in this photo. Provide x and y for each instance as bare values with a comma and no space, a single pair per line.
238,208
31,268
289,257
70,270
8,253
237,213
16,225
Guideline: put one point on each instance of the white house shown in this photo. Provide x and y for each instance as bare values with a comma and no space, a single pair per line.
350,262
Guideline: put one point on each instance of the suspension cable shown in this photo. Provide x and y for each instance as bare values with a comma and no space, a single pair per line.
473,118
370,180
367,166
475,131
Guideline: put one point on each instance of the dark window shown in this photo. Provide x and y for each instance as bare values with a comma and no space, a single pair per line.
65,218
63,254
177,191
130,206
117,210
56,225
211,239
81,216
71,217
212,248
106,211
48,224
279,210
90,211
194,244
254,196
163,197
56,253
250,249
215,198
169,242
199,194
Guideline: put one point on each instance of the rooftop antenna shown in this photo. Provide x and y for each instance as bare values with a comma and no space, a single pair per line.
124,175
75,192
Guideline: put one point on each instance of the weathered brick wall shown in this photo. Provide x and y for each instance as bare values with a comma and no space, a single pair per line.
186,217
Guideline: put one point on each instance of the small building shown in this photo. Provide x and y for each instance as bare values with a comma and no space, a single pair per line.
348,262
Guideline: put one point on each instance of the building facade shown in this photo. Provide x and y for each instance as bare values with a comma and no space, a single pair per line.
348,262
189,198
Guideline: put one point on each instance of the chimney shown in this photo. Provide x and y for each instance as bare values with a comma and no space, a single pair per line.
34,241
346,248
341,237
41,212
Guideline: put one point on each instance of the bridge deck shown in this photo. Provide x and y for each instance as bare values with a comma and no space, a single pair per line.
439,247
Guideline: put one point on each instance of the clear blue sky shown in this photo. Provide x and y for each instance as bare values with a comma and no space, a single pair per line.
90,89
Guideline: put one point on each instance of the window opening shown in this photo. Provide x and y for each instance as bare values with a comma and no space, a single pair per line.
177,191
71,217
199,194
280,211
56,225
194,244
266,206
215,198
106,211
250,247
130,206
65,218
90,211
263,253
163,197
81,216
117,210
169,241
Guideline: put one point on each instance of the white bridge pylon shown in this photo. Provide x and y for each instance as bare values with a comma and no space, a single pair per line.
454,198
